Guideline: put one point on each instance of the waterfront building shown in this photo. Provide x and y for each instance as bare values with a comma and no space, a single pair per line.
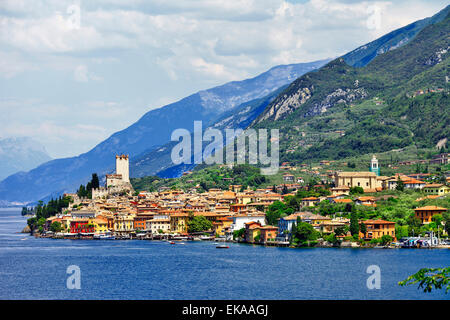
100,224
240,220
268,233
378,228
140,220
252,231
222,225
123,223
159,224
179,222
81,225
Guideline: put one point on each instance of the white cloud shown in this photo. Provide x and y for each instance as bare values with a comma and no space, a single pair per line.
144,51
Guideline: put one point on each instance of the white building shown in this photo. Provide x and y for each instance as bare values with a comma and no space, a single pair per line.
240,220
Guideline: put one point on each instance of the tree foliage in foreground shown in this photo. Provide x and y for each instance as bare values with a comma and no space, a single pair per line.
429,278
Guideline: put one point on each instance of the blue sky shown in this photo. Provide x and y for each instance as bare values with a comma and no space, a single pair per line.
70,83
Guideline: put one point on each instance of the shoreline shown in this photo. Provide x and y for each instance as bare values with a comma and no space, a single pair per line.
344,245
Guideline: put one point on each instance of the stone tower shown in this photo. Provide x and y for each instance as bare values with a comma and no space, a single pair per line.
123,167
374,167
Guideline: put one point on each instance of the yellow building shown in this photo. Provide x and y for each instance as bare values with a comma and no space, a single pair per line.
222,225
425,214
436,188
179,222
100,224
309,202
123,223
252,230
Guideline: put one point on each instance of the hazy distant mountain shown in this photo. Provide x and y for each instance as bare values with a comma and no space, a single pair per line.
151,131
20,154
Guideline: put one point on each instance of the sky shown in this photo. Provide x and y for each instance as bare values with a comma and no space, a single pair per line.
73,72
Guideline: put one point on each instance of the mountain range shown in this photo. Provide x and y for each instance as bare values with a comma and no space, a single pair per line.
365,93
20,154
151,131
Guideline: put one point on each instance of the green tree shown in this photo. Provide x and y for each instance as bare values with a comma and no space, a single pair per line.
429,278
341,231
238,234
95,183
354,224
437,218
56,226
275,211
363,228
305,232
198,224
400,185
356,190
386,239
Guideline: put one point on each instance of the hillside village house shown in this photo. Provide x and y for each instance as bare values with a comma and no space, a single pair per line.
436,188
332,225
366,201
340,190
409,183
425,214
309,201
288,178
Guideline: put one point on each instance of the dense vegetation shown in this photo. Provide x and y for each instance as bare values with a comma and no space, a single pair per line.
44,211
209,177
86,191
377,108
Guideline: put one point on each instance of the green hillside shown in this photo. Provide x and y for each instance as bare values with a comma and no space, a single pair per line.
341,111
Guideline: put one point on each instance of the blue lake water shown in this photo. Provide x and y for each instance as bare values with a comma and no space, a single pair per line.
36,269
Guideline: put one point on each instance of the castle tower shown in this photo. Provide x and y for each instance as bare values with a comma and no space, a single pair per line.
374,167
123,167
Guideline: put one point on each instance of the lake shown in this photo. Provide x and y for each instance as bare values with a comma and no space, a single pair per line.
32,268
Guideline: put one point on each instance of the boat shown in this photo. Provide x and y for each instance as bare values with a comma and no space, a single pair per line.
23,239
222,246
107,237
104,237
181,243
172,242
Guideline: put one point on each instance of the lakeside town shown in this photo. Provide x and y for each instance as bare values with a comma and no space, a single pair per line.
342,213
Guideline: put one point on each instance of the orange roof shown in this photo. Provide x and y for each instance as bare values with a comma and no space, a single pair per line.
343,200
310,198
367,198
413,181
370,204
433,185
430,208
378,222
